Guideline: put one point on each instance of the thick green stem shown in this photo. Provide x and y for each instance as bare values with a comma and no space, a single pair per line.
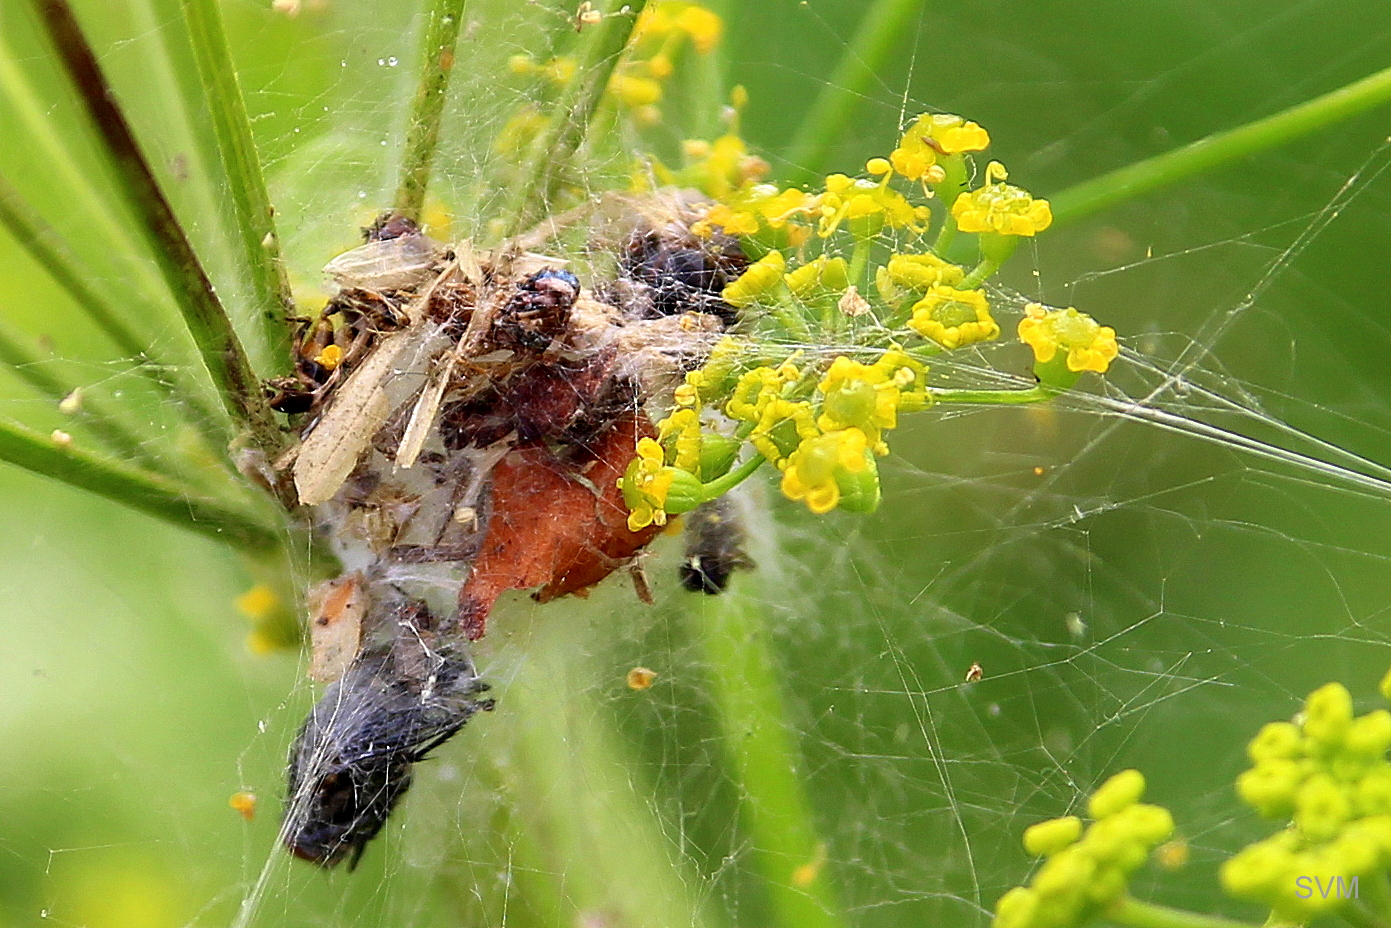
759,741
883,29
251,205
979,273
1220,149
203,313
549,156
48,249
1138,914
136,489
441,34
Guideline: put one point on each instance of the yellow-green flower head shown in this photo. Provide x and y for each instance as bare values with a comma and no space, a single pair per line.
1050,837
932,134
1270,786
753,207
1322,807
953,318
1016,909
645,486
1260,870
669,19
815,470
1120,791
1328,714
720,169
1000,207
867,206
1373,795
904,275
1370,735
782,427
861,396
634,92
680,432
1089,346
759,280
757,388
1276,741
824,275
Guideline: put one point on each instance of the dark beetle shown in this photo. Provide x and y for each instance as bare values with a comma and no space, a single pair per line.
714,547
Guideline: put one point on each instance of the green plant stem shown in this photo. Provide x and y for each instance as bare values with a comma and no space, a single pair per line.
883,29
1359,917
583,842
1138,914
48,249
549,156
136,489
251,205
979,273
708,80
759,741
203,313
1036,394
441,35
722,485
1222,148
102,422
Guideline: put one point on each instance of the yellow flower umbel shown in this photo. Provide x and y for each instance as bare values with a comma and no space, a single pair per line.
868,397
1330,777
1000,207
651,489
1066,343
867,207
932,134
953,318
1086,871
833,468
759,279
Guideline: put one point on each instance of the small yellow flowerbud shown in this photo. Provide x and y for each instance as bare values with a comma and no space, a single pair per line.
1016,909
1385,686
1276,741
1370,735
1328,714
761,278
1257,870
1052,836
1321,807
1123,789
1270,787
1372,793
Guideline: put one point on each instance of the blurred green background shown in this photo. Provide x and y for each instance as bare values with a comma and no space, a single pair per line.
1211,589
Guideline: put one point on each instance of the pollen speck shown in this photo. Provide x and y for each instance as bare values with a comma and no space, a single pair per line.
640,678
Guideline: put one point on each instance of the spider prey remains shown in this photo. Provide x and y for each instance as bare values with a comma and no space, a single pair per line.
466,420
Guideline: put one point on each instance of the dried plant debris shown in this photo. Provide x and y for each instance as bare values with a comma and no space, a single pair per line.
465,420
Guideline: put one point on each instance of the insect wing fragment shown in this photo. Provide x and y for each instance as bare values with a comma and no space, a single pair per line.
392,373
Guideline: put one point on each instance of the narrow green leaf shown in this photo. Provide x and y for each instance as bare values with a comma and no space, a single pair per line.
203,313
251,205
136,489
91,413
48,249
441,34
1220,149
883,29
568,119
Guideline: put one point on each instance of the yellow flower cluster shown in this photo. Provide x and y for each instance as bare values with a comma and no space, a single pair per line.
930,135
953,318
1330,777
1088,346
1000,207
1086,869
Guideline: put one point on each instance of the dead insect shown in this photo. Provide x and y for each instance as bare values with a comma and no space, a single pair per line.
353,758
714,547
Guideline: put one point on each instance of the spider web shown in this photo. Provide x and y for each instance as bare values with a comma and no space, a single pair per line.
1145,571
